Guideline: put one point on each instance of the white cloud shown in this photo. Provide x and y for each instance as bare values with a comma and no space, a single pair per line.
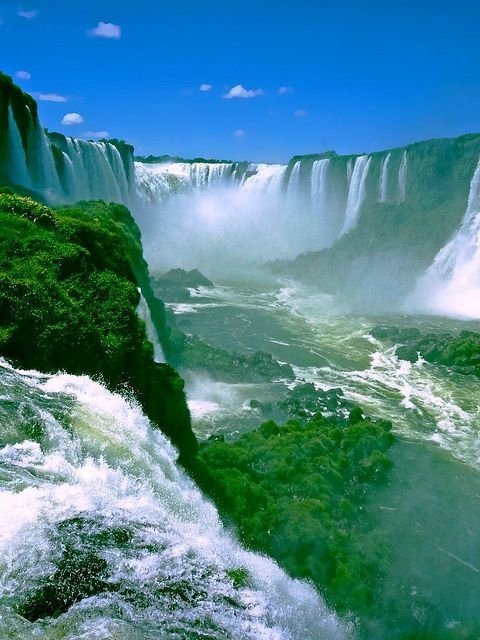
28,15
72,118
300,113
284,90
96,134
239,133
206,87
239,91
52,97
106,30
23,75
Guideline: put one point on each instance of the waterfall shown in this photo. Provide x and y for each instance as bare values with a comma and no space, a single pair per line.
356,193
451,284
384,178
319,182
267,179
349,171
402,178
145,314
100,525
16,161
155,182
293,188
46,177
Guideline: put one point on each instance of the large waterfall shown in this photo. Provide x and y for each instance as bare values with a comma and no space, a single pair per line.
103,536
452,283
65,170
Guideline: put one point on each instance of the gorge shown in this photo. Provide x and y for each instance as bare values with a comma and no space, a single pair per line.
322,441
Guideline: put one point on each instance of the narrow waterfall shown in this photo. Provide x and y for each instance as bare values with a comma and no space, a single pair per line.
145,314
356,193
402,178
383,195
319,182
349,171
16,161
293,187
451,284
46,178
90,489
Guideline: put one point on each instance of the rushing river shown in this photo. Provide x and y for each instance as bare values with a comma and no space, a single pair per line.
430,508
103,537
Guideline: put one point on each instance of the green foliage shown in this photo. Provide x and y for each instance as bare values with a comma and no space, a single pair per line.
297,492
69,283
461,352
192,352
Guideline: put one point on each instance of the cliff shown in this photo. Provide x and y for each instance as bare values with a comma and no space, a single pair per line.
69,282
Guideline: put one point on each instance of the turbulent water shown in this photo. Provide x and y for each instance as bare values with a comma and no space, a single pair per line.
424,510
84,476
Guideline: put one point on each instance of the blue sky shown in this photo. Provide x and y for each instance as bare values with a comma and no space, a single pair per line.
357,75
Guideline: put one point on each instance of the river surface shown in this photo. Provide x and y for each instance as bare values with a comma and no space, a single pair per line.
430,508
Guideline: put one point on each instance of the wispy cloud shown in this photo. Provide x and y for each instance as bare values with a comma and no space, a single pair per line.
51,97
282,91
239,133
239,91
106,30
23,75
72,118
206,87
300,113
96,134
28,15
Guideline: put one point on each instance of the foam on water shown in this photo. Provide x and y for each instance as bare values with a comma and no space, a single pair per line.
78,464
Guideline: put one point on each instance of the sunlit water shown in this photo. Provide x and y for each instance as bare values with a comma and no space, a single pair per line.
83,471
429,509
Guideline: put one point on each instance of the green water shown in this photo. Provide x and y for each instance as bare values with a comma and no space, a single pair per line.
430,507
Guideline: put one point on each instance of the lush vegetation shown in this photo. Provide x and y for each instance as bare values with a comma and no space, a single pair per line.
191,352
297,492
460,352
68,298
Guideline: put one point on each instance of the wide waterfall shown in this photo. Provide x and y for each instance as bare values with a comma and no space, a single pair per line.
452,283
65,170
103,536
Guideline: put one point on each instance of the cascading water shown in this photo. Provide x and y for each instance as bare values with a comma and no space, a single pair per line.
145,314
17,164
356,193
84,170
319,182
452,283
102,536
383,195
402,178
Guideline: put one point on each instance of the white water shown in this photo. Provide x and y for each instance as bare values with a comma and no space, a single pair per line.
451,285
402,178
319,183
145,314
384,178
17,165
356,193
82,469
92,170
